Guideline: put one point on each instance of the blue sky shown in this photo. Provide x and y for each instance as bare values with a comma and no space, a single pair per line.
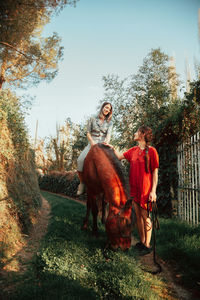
104,37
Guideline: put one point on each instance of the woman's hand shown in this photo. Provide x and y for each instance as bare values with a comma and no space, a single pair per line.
90,140
119,156
152,196
108,145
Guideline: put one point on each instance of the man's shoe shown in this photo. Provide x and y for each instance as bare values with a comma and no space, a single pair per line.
81,188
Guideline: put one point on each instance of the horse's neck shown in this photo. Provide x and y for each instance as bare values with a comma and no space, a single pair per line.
107,175
118,199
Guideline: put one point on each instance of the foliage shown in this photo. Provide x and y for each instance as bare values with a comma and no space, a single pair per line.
120,94
11,113
26,57
23,189
191,111
166,139
180,123
60,182
143,98
61,152
19,191
71,264
79,143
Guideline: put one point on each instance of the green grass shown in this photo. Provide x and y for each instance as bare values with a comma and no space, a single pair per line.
71,264
179,243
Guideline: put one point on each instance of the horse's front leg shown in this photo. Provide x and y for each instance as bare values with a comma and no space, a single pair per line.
103,218
86,219
94,214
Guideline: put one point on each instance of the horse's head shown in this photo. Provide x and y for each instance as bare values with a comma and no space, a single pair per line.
119,226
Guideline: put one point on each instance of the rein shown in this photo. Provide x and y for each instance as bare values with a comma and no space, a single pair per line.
118,224
156,226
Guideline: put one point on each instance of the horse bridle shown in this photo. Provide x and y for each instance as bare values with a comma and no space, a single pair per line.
118,225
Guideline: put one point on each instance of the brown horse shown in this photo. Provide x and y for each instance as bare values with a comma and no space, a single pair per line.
102,174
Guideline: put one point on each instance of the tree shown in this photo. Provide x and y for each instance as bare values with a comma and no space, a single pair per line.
25,56
63,150
154,86
79,142
142,98
190,113
118,92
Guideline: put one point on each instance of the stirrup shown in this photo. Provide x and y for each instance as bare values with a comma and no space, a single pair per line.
81,188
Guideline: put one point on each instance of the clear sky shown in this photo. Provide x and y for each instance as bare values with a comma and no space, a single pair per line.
104,37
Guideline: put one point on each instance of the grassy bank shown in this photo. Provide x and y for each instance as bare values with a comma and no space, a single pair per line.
71,264
179,243
20,197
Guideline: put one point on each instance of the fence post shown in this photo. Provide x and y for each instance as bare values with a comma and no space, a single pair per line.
188,164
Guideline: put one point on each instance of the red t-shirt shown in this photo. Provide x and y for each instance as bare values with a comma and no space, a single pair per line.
140,181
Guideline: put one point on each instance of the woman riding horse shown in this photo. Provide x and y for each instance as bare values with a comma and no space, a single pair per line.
99,130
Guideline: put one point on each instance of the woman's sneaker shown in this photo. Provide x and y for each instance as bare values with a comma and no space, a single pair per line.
81,188
139,245
145,250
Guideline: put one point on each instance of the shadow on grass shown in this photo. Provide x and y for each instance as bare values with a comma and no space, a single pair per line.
50,286
71,263
66,222
68,249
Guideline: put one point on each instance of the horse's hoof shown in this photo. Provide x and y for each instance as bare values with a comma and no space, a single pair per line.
95,234
113,248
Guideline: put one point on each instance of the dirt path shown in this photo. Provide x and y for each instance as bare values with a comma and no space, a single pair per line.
21,260
167,281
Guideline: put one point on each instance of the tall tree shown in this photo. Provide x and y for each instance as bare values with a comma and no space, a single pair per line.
152,86
25,56
120,94
144,97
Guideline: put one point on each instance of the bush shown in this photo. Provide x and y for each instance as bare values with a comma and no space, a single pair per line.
60,182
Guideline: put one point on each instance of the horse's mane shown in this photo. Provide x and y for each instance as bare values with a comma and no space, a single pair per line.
116,164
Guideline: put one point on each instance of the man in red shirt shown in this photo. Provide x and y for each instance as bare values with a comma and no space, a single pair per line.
143,179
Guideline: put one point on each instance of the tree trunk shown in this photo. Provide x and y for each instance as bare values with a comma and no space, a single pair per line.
2,74
2,80
56,153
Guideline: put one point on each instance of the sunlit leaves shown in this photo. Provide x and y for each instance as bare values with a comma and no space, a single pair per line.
27,58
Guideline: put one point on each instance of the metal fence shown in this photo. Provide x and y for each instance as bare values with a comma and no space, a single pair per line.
189,180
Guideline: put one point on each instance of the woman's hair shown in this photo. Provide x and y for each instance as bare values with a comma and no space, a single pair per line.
109,115
148,138
148,133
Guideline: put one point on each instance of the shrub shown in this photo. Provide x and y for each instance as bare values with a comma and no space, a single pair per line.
60,182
